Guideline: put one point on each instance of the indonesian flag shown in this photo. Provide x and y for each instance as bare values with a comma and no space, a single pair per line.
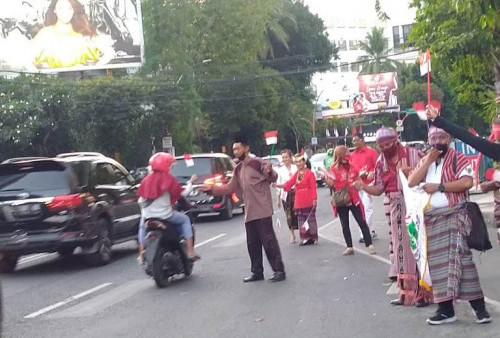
473,132
346,131
425,63
271,137
327,132
420,109
335,131
353,131
189,160
360,130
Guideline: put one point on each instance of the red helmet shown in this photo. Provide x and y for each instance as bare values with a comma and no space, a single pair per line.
161,162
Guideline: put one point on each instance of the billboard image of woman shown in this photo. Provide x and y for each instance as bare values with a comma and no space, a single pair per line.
65,35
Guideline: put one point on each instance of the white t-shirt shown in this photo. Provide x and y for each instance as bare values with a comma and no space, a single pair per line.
434,174
162,206
283,176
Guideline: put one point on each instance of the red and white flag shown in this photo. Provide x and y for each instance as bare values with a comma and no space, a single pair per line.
335,131
360,130
425,63
346,131
354,132
189,160
271,137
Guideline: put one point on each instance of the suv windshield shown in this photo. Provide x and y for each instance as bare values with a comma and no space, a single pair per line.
36,179
202,168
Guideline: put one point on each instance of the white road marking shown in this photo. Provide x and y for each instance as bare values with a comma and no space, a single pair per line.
105,300
209,240
66,301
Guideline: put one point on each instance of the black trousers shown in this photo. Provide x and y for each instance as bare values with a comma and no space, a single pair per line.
260,233
358,216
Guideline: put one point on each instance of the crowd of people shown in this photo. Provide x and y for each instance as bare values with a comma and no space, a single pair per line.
443,173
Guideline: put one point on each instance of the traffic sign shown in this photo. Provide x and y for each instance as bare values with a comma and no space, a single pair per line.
314,141
399,123
400,128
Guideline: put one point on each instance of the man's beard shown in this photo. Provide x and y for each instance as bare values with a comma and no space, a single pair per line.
443,148
242,157
391,152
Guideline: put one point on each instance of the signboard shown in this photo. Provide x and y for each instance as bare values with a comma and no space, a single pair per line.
166,142
314,141
400,129
54,36
377,93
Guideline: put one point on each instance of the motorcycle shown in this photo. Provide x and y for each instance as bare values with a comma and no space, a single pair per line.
165,252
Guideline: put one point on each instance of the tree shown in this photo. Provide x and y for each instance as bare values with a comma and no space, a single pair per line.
376,59
464,36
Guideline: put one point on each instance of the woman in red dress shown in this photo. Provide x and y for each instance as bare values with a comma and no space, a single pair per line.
305,202
342,173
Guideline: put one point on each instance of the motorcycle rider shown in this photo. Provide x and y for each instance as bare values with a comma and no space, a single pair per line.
158,193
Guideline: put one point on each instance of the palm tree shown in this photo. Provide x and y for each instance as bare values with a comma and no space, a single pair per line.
376,61
280,11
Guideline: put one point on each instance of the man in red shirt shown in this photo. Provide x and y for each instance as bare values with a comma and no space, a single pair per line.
363,158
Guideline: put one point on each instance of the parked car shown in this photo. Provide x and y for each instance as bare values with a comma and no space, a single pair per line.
317,163
76,203
212,169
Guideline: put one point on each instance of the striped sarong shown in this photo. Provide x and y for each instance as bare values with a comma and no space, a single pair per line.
402,257
308,214
453,273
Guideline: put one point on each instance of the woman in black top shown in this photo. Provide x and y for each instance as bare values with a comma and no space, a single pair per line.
486,147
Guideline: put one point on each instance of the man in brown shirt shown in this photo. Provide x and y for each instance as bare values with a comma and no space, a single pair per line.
253,178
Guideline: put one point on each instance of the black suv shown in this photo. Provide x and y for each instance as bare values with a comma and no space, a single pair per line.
74,203
211,169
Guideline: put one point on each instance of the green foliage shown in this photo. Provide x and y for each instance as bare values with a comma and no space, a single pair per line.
212,69
464,36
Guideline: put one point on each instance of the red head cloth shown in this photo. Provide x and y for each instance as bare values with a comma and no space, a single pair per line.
160,180
433,133
385,134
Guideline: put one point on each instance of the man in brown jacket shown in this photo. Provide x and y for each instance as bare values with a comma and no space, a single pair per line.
253,178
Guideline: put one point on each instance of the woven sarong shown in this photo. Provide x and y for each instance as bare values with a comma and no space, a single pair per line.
291,217
453,273
402,256
308,214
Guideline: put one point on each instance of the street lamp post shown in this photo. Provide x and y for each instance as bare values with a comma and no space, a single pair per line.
314,114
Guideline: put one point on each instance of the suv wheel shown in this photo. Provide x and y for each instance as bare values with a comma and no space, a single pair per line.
8,263
227,213
103,254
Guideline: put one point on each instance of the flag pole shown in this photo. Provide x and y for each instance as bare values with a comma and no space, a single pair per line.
428,84
272,149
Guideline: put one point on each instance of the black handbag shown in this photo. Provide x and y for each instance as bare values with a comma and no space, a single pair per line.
478,239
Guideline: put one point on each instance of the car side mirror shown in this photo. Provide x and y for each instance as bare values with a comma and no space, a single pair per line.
80,189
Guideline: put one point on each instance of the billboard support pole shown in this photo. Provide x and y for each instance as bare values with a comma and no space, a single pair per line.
428,84
109,73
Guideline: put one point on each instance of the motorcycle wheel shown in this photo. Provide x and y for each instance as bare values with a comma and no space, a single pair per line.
159,274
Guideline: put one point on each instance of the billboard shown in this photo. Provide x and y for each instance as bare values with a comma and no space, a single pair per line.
377,93
69,35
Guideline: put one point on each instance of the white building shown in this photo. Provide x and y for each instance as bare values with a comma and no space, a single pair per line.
347,24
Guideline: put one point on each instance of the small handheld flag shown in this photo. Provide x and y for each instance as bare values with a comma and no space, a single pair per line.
271,137
189,160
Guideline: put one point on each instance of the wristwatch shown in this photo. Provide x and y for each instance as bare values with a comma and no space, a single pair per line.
441,187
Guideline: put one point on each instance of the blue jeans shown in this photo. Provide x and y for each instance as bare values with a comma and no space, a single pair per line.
182,223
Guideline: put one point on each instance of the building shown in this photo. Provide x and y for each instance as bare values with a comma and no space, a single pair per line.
347,25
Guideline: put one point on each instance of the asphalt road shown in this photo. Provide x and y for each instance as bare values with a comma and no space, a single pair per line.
325,295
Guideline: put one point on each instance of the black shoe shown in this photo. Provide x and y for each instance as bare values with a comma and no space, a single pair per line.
374,235
253,278
483,317
278,276
361,240
441,318
421,303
